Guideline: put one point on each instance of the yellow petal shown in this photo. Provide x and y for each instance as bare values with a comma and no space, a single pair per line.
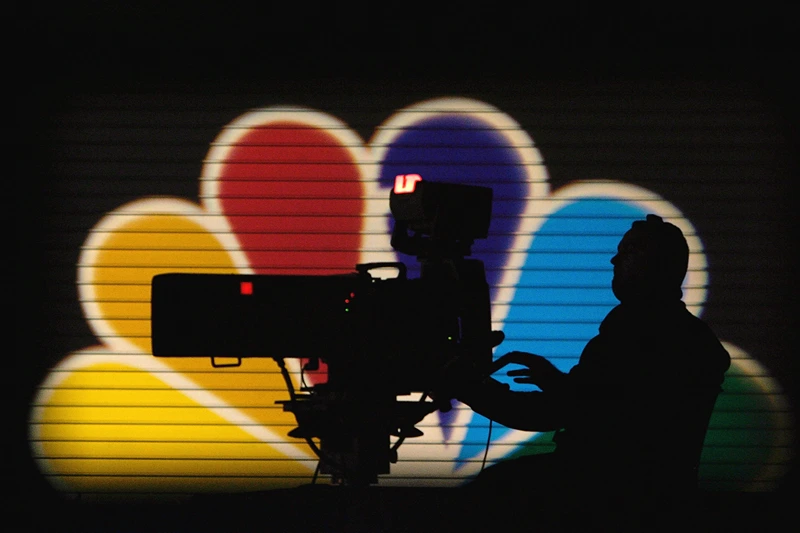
100,425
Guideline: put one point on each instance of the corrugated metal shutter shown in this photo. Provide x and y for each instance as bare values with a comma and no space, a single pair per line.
146,182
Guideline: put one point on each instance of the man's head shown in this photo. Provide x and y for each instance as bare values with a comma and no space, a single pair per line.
651,261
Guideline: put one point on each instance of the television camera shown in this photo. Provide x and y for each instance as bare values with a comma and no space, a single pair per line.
380,338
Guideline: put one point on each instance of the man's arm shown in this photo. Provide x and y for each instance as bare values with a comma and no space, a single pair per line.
527,411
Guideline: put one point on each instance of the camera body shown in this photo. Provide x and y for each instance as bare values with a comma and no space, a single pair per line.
380,337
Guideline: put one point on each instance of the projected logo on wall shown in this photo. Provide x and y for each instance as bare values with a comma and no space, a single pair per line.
291,190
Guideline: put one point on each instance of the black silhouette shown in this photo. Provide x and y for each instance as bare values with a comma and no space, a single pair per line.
630,418
381,338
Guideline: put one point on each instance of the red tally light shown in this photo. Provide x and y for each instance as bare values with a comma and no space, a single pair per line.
246,287
406,183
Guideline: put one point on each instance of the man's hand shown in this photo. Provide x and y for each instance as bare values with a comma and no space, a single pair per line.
539,371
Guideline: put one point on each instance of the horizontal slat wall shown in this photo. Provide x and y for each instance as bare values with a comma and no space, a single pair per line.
128,192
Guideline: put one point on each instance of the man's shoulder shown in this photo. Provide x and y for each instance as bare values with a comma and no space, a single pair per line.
671,328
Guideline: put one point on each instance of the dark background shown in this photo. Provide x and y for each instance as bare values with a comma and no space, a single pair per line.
237,54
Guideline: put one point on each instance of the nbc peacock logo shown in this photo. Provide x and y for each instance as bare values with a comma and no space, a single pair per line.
290,190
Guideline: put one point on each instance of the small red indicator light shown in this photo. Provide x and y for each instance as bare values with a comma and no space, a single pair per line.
406,183
246,287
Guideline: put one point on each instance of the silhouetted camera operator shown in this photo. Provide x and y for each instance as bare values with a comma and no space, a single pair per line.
631,416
